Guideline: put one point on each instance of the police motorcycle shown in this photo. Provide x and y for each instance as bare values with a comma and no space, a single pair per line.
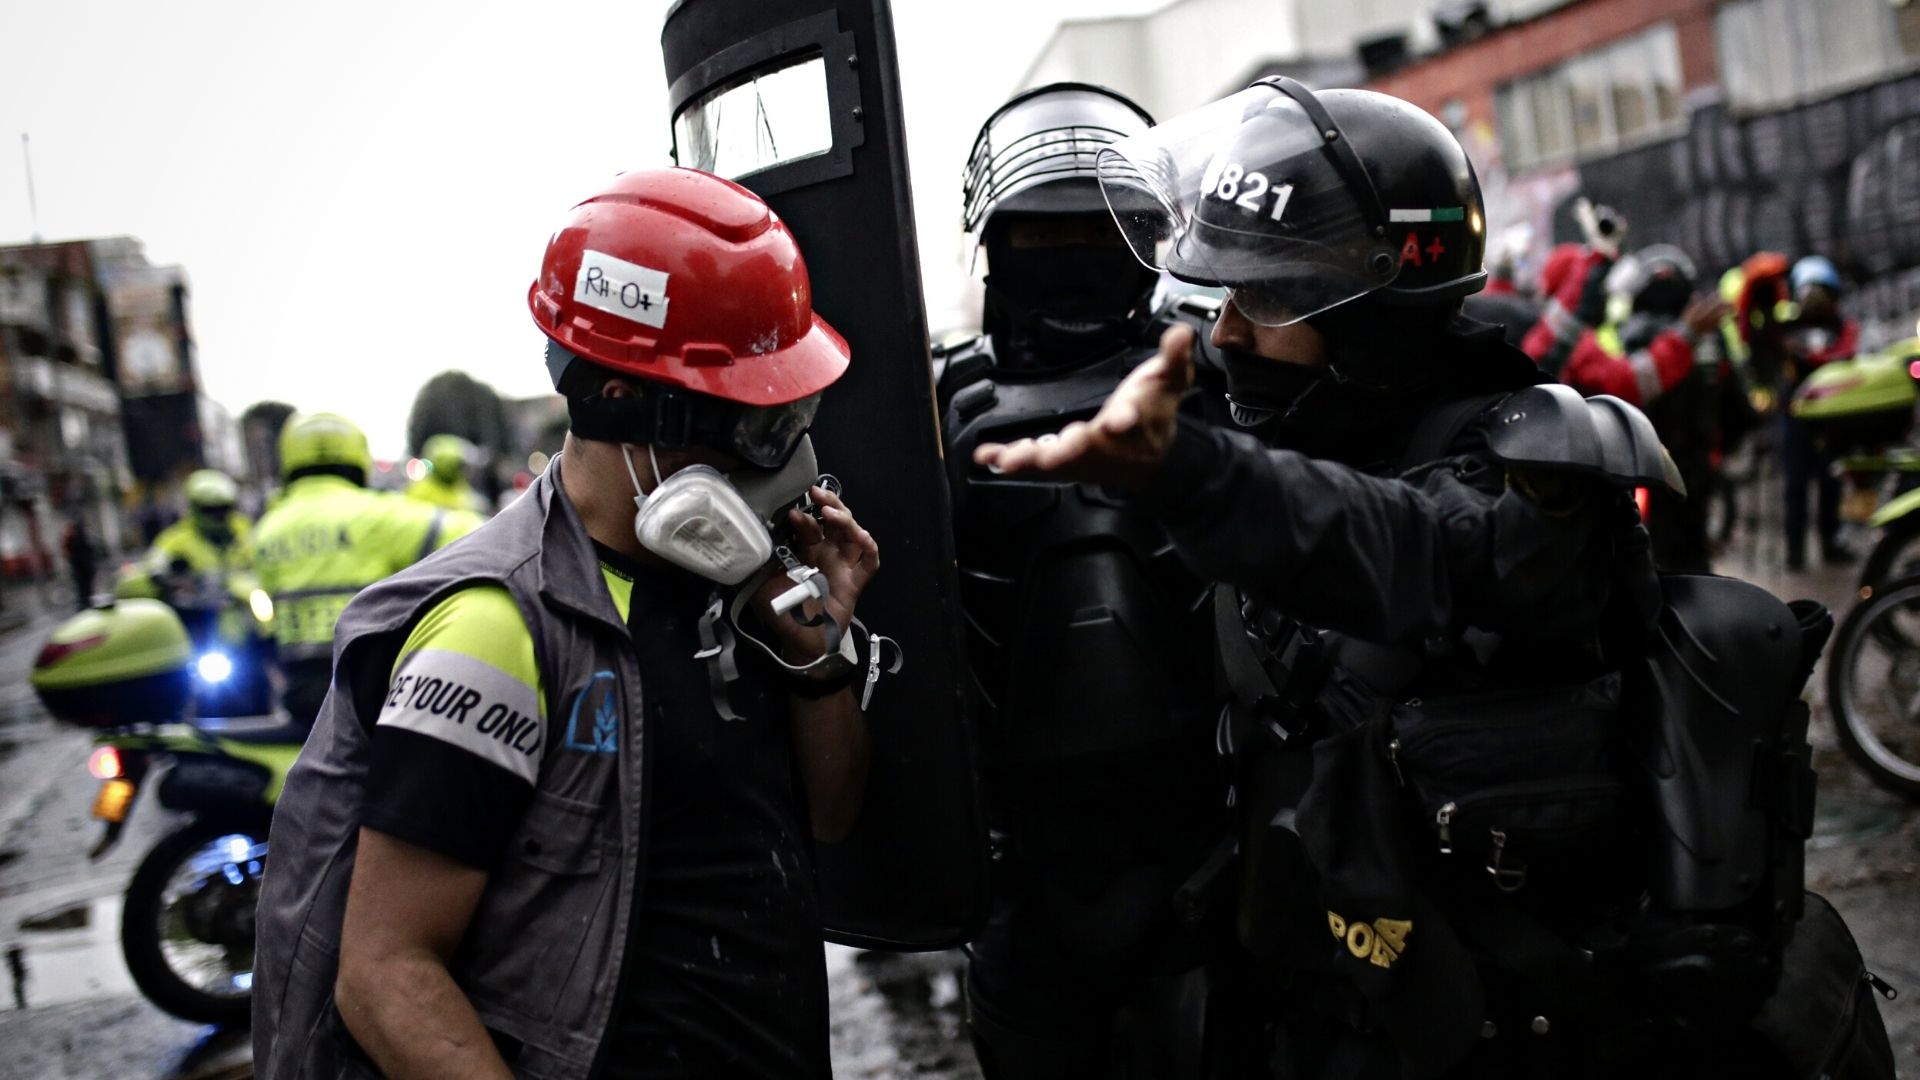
1467,854
1873,684
1865,409
128,671
229,619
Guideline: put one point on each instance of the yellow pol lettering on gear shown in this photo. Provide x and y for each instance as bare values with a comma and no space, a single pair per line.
1379,942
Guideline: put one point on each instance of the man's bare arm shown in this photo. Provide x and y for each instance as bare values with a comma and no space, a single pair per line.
407,909
829,733
830,743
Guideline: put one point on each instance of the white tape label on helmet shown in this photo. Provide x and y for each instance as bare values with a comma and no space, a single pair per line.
618,287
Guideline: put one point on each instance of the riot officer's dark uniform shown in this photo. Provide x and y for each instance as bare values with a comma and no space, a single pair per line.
1089,646
1475,738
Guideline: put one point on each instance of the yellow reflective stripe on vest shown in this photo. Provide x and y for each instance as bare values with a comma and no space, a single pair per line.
1608,338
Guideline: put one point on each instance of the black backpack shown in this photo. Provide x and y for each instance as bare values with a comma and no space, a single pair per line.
1689,768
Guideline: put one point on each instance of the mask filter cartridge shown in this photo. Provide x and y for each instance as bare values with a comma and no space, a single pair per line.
699,522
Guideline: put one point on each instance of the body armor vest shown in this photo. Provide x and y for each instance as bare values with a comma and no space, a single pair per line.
1089,644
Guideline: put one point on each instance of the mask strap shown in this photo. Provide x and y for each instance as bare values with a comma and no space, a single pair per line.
837,640
716,648
626,455
876,644
719,624
640,495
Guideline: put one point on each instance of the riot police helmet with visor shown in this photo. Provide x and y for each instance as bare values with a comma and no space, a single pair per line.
1038,153
1061,289
1298,202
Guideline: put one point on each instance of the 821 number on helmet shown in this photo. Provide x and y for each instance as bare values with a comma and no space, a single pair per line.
1231,182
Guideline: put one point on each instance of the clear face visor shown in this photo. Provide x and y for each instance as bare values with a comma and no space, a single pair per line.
1253,194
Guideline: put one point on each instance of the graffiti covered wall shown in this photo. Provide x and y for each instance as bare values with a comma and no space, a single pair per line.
1839,177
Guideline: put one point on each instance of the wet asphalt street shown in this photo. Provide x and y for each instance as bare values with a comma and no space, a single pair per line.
68,1008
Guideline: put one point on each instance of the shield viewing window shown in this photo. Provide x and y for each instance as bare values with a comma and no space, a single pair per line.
771,117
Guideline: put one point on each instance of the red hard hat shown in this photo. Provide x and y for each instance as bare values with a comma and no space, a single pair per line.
684,278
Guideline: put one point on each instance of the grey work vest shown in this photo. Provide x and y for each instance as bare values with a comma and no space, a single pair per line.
542,955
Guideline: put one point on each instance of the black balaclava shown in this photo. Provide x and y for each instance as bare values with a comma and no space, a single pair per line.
1387,366
1060,306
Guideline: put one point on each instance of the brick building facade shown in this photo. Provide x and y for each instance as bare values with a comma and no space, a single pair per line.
1724,126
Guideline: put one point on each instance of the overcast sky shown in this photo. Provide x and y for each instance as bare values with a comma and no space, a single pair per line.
360,191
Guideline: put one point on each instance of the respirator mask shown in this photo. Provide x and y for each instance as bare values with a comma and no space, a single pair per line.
727,529
717,526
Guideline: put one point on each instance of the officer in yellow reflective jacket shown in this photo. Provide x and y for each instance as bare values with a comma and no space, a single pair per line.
213,537
329,537
445,483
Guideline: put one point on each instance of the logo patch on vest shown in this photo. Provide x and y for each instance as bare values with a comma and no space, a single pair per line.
1379,942
593,723
470,704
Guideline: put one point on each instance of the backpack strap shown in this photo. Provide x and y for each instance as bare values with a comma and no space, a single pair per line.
1439,428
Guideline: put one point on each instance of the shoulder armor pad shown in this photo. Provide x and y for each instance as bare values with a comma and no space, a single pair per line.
960,346
1551,426
960,362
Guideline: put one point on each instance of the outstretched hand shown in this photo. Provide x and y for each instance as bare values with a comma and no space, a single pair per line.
1126,440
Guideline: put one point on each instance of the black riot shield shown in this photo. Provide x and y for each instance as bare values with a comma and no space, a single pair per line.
799,100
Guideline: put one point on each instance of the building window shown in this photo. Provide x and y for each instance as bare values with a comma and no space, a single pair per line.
1595,103
1777,52
1906,16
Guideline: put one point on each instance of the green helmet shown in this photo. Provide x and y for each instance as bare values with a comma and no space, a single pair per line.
323,441
447,454
211,489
